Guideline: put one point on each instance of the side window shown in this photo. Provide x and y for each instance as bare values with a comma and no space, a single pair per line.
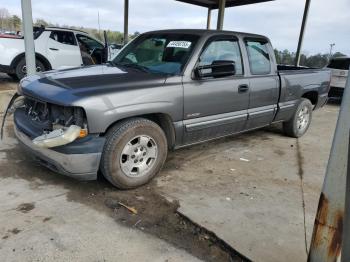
259,59
63,37
222,50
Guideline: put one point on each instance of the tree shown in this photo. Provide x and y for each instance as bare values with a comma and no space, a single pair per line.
16,22
41,22
4,16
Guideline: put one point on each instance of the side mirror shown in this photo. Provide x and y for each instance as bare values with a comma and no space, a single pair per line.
218,68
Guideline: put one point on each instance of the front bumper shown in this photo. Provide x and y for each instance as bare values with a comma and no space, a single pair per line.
82,166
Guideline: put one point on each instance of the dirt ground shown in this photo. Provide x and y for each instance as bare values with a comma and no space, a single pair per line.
228,200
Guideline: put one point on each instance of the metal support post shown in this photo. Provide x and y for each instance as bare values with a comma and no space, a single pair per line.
326,243
221,14
302,31
209,18
126,21
27,21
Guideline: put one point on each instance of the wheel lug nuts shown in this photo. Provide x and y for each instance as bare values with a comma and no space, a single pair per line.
133,156
135,161
144,153
141,159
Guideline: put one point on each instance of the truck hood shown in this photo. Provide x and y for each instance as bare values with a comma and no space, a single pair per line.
66,86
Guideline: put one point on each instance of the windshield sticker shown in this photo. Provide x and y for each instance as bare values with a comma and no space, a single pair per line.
180,44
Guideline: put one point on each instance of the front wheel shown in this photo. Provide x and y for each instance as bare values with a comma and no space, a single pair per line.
134,153
301,120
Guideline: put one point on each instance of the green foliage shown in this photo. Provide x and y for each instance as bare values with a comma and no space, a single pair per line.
318,60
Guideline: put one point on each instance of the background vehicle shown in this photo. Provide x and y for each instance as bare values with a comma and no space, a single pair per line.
164,90
114,50
340,69
55,48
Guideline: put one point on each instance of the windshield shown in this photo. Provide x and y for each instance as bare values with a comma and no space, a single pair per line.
158,53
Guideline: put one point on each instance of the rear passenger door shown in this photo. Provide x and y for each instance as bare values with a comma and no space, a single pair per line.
63,50
216,106
263,83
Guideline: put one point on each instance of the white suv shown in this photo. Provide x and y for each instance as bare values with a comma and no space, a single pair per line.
55,48
340,70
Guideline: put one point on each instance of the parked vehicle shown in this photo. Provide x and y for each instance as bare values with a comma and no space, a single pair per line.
55,48
340,69
164,90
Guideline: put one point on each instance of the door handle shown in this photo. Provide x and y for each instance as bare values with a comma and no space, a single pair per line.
53,49
243,88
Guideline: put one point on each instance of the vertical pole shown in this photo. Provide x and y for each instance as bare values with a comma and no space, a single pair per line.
302,31
345,254
327,235
208,18
221,14
126,21
27,21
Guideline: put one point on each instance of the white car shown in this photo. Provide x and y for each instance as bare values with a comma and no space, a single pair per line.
55,48
340,70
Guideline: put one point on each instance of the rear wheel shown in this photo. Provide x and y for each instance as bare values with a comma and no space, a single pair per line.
21,68
301,120
134,153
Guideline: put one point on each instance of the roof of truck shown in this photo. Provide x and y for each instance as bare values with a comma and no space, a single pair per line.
206,32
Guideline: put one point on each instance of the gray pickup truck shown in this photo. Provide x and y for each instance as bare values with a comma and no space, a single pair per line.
164,90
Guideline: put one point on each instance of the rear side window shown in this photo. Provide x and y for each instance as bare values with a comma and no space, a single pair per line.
222,49
63,37
342,64
259,58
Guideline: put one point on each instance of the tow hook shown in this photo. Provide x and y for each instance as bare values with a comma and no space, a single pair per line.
58,137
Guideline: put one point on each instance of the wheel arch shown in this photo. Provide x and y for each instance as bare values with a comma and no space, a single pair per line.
163,120
38,56
312,96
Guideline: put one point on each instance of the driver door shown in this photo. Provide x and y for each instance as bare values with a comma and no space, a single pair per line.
216,106
92,51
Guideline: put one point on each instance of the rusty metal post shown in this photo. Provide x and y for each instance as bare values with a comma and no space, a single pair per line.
326,240
345,253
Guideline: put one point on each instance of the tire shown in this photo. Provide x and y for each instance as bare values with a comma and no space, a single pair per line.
21,68
301,120
13,76
134,152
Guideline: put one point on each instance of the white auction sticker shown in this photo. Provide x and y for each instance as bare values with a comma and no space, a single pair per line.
180,44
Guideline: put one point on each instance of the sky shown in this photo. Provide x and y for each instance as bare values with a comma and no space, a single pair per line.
280,20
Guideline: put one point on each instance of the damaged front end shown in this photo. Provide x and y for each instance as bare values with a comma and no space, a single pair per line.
48,125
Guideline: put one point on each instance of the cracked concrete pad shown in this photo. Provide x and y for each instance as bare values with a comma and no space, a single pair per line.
256,205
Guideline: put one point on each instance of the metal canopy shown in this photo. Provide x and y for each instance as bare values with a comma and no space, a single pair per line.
214,4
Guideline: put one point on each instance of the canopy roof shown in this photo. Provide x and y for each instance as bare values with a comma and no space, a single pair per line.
214,4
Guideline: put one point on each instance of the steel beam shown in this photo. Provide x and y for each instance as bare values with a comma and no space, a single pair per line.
27,21
126,21
345,254
302,31
209,18
326,243
221,14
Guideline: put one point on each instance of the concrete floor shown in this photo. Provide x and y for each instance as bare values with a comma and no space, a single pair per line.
40,221
246,189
